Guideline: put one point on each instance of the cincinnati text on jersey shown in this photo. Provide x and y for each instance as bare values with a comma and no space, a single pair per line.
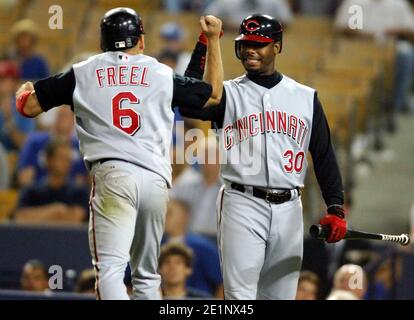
270,122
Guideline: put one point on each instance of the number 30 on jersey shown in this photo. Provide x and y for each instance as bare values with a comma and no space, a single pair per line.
294,161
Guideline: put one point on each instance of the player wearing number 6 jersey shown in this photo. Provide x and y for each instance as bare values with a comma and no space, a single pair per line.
267,124
122,101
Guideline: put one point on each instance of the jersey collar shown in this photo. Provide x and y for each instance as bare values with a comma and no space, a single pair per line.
266,81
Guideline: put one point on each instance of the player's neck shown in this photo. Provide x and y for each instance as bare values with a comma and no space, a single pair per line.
139,48
267,81
134,51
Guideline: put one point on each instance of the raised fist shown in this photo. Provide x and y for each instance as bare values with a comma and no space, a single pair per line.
211,26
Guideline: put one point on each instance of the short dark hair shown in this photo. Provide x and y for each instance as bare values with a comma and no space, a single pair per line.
176,249
54,145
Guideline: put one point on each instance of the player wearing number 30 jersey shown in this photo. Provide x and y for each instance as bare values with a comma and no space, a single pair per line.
122,100
267,124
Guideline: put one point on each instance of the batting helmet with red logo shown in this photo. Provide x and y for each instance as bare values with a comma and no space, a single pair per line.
259,28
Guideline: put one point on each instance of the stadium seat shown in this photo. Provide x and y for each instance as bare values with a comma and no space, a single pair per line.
8,201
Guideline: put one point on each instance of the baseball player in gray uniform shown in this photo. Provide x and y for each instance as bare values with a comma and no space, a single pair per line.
122,100
267,124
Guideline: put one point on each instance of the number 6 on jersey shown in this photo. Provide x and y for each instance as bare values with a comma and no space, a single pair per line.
119,114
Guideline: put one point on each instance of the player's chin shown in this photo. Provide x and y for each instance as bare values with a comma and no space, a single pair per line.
252,68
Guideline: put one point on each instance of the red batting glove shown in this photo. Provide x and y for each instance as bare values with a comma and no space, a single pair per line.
337,225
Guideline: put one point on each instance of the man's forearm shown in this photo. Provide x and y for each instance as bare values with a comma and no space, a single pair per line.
214,74
196,66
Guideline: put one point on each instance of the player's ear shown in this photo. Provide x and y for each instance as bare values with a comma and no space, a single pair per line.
141,42
276,47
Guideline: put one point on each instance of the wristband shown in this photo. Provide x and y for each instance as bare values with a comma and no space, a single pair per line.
21,102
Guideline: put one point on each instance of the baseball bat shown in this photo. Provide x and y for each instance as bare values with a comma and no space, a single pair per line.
318,231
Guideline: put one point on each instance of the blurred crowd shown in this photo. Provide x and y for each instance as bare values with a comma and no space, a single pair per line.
41,160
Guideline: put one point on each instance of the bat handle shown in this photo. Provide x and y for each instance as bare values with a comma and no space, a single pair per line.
319,231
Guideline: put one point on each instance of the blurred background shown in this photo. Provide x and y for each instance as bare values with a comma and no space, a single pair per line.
363,78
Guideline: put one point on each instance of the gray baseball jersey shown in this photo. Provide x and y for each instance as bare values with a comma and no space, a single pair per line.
276,159
110,121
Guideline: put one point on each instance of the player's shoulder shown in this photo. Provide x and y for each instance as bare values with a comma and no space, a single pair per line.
236,81
153,64
293,85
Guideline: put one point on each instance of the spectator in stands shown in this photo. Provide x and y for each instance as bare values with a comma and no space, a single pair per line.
25,35
176,6
341,295
13,126
233,11
206,274
86,282
387,277
175,266
4,172
386,20
172,41
180,143
316,8
324,259
200,188
351,278
169,58
55,199
31,165
35,277
308,286
178,167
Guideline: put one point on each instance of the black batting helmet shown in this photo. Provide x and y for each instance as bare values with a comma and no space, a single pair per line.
259,28
120,29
